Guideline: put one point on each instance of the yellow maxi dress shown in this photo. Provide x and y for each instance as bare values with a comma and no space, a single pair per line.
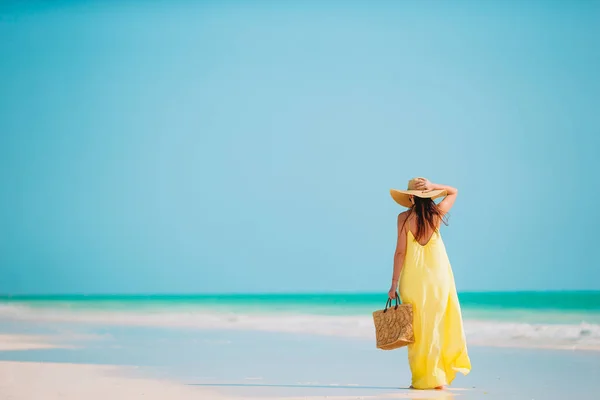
427,282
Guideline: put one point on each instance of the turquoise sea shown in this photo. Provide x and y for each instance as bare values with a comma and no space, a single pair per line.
557,306
549,307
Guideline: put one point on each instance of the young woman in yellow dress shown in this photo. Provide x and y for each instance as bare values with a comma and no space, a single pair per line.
424,276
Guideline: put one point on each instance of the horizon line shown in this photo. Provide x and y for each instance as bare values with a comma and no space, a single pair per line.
303,293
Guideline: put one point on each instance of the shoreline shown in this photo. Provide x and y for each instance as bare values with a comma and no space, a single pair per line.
483,333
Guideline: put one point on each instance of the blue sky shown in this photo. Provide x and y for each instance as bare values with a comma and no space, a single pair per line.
250,146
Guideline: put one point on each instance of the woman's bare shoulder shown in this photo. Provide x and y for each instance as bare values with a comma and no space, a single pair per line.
403,217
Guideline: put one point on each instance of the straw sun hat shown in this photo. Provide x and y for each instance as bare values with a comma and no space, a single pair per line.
402,197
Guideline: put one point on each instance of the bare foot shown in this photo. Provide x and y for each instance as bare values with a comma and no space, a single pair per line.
436,388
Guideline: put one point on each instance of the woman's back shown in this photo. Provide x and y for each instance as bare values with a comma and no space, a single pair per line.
426,269
413,228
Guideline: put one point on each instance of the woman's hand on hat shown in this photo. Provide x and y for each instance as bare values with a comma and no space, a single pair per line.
424,185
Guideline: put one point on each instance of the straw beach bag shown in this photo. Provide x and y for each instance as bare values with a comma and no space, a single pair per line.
394,325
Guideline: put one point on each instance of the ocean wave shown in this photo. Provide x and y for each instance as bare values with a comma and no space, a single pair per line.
478,332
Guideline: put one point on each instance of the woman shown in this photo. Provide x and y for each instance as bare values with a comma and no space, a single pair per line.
423,273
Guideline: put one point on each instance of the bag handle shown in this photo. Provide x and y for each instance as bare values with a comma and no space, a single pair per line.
388,303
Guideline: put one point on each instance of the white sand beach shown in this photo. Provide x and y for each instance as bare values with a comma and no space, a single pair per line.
74,362
65,381
50,381
33,380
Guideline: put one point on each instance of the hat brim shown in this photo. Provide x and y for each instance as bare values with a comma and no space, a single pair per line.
402,197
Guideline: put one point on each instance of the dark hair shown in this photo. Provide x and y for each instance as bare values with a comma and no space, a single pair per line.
428,216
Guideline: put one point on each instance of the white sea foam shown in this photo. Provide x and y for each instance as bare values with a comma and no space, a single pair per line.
479,332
